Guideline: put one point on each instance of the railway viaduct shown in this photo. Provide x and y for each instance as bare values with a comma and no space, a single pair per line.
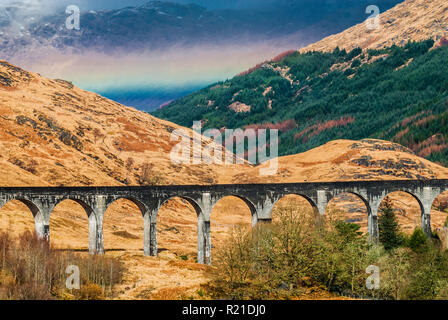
260,198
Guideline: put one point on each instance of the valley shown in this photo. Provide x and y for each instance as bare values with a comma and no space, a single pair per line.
355,106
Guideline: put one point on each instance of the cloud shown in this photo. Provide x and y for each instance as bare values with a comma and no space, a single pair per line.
176,67
34,6
50,6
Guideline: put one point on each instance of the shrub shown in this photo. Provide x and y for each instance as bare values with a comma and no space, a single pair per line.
284,259
31,269
418,240
148,176
273,260
91,291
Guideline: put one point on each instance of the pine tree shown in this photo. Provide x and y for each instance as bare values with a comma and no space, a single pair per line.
389,230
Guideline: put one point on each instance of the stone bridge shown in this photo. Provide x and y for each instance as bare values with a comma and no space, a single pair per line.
260,198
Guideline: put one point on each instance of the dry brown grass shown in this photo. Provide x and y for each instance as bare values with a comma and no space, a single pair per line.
170,294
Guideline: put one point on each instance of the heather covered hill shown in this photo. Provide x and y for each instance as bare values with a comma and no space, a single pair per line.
394,93
53,133
345,160
415,20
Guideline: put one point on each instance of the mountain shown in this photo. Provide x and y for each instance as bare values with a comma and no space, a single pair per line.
147,55
344,160
53,133
161,24
395,93
415,20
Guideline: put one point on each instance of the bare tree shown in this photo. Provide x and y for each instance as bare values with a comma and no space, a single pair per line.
148,177
129,166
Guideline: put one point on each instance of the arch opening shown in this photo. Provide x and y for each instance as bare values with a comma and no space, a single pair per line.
407,208
15,217
69,225
123,225
349,207
297,205
439,211
228,213
177,223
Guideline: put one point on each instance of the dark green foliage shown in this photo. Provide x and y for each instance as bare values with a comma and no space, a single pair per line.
389,230
430,275
356,63
418,240
354,53
347,230
396,84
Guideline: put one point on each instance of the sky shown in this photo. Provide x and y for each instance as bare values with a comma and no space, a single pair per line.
116,4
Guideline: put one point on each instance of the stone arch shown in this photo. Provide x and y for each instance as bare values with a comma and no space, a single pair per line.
297,204
419,201
438,194
36,212
365,219
168,234
190,200
248,203
87,207
424,221
34,208
359,196
440,204
127,231
141,206
227,213
82,227
303,196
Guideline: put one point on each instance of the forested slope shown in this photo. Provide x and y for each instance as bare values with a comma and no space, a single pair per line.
396,93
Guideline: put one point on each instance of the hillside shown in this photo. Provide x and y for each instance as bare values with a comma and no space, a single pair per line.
53,133
344,160
395,93
411,20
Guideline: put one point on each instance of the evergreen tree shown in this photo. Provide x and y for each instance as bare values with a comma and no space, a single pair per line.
389,231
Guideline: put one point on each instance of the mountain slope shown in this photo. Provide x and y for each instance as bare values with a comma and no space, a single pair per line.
147,55
53,133
345,160
414,20
396,93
